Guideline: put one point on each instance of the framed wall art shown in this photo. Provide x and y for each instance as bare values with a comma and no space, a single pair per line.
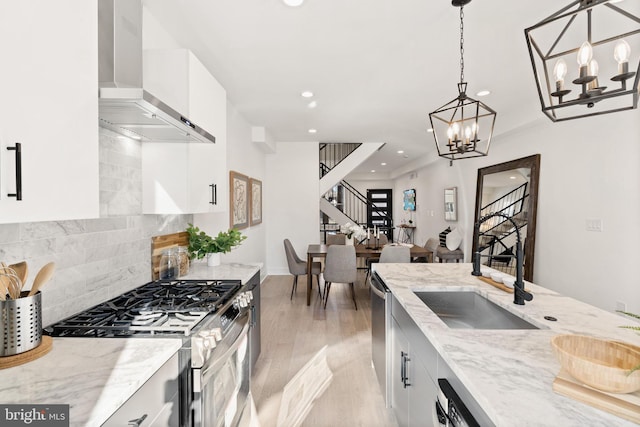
238,200
255,215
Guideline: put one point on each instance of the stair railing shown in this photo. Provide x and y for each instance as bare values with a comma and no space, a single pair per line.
331,154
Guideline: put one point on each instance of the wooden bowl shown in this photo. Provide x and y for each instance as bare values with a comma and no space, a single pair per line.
601,364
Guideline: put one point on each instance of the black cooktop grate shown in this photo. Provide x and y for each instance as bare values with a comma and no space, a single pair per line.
171,298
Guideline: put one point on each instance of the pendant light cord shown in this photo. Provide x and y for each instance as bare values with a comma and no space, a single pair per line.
461,44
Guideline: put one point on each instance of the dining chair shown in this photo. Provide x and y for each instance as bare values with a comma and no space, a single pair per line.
382,241
432,246
391,254
336,239
298,267
340,267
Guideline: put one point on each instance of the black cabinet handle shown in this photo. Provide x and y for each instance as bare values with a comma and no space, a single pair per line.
214,194
18,150
138,421
403,369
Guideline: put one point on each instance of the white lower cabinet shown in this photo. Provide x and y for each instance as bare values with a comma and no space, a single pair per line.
155,404
414,387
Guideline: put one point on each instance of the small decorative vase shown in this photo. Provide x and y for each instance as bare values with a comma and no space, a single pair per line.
348,241
213,259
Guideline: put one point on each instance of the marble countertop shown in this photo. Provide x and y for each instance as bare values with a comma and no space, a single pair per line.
234,271
509,372
94,376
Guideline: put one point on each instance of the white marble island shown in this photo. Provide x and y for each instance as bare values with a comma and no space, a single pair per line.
508,372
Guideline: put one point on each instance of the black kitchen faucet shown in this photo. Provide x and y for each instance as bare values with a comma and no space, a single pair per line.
519,294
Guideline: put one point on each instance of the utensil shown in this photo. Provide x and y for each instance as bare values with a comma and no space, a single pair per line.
10,282
21,270
42,277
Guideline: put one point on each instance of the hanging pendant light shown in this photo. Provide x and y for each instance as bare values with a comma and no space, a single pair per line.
462,127
569,41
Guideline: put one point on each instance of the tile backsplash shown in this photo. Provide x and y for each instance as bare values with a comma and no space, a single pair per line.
96,259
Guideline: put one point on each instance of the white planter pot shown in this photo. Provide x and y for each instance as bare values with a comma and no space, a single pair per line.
213,259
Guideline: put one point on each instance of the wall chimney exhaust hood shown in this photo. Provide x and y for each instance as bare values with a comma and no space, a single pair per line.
124,106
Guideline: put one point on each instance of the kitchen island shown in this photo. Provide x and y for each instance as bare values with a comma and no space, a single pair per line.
508,372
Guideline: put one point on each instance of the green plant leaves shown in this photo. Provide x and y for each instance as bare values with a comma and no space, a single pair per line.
201,244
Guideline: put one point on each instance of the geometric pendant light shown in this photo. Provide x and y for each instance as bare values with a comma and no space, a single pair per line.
463,127
586,58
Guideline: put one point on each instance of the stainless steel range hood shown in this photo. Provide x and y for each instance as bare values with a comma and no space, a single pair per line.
124,106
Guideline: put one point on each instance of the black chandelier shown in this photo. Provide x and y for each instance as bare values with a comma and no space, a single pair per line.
577,35
462,127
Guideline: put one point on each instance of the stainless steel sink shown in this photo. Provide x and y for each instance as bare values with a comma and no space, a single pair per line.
468,310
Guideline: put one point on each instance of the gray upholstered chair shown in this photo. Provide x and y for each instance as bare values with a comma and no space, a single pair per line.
446,255
392,254
432,246
298,267
336,239
340,267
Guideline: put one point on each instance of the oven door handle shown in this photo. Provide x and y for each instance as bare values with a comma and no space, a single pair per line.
212,367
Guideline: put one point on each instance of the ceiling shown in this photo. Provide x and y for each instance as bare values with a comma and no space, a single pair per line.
376,67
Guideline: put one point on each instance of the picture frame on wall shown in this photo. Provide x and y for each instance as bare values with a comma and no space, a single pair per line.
255,216
239,194
409,200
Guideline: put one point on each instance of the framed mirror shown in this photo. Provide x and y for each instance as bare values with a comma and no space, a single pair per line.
510,188
450,204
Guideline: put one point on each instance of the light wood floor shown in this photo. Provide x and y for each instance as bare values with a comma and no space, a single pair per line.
293,333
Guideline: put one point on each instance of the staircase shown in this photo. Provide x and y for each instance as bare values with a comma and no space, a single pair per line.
498,236
340,202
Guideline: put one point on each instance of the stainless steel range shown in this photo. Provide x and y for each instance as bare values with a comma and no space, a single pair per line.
212,319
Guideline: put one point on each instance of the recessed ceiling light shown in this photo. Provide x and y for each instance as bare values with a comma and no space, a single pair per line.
313,130
312,104
373,171
400,151
383,164
512,177
306,94
483,93
293,3
430,130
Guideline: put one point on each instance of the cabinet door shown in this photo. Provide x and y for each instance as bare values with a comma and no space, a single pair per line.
49,104
423,393
156,403
399,393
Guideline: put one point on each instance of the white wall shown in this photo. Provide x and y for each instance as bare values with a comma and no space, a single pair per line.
245,157
292,208
590,168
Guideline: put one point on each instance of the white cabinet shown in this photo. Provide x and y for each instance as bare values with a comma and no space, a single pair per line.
156,403
49,104
414,387
185,178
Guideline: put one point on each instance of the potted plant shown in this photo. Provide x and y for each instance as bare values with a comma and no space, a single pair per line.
201,244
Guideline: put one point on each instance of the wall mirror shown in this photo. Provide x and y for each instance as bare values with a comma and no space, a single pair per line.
450,204
510,188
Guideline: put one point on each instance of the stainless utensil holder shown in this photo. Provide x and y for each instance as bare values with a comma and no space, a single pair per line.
20,324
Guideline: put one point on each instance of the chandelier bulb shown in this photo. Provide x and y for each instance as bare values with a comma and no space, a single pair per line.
560,70
585,54
622,51
593,67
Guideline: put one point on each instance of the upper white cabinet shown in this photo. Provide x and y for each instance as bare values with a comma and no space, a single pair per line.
181,177
49,104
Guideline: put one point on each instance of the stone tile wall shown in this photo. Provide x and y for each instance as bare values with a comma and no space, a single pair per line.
96,259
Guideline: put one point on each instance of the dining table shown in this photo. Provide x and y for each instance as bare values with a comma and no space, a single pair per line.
362,251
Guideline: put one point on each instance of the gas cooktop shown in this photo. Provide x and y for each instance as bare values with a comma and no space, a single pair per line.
162,306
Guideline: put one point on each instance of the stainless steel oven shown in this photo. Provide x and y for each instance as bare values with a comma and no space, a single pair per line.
221,369
211,317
